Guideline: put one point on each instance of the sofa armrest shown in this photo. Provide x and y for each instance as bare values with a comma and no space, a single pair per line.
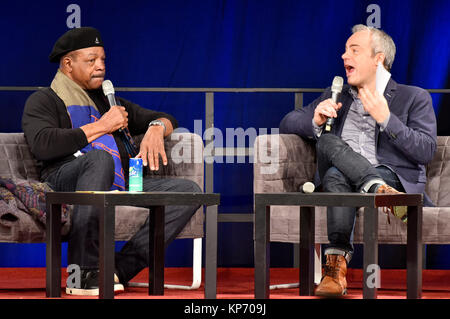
282,162
184,153
438,173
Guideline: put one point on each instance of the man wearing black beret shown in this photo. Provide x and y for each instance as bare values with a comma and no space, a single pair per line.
83,144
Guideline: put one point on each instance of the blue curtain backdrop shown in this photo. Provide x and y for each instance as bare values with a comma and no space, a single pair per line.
219,43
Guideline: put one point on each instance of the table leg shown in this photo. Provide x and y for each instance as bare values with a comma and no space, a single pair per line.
262,250
156,251
414,253
211,253
106,252
306,251
53,252
371,268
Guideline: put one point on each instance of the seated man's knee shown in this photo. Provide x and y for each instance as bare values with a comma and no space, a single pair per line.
101,164
335,181
187,186
99,158
325,141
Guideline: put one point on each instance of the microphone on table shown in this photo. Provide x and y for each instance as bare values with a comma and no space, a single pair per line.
307,188
336,88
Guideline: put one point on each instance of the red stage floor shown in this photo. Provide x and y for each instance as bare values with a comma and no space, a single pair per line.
232,283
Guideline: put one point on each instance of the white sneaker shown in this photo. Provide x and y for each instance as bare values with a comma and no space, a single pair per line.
89,285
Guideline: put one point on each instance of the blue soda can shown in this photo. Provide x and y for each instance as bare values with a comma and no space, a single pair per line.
135,176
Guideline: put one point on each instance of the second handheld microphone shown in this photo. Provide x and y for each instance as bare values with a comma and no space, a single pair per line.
336,88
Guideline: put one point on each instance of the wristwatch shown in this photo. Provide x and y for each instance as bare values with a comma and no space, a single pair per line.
158,122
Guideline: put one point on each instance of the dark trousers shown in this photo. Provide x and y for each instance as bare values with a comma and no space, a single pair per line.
342,170
95,171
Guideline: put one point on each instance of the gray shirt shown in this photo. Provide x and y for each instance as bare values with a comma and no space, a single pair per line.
359,129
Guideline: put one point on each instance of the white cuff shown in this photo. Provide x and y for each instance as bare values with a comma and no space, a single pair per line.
385,123
369,184
317,129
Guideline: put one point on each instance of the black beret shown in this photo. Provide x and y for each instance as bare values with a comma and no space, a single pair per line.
75,39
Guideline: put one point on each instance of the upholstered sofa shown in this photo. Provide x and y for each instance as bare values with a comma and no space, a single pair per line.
18,225
282,163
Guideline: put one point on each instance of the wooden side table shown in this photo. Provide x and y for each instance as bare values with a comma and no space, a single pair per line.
307,202
106,202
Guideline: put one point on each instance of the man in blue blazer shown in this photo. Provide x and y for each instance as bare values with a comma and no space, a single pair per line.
378,143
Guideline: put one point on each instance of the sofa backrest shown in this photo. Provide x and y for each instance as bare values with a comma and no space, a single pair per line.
16,160
438,173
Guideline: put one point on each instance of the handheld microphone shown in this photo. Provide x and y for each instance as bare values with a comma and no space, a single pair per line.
108,90
336,88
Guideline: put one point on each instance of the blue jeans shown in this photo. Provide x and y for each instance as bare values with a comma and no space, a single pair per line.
95,171
343,170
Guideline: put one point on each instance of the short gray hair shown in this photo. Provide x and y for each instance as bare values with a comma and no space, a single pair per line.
381,42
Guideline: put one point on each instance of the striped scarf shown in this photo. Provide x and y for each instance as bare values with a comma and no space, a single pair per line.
82,110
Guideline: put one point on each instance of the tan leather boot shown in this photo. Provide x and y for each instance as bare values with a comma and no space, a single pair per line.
333,283
397,211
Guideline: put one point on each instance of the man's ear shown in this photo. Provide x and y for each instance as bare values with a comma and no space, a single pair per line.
379,58
66,63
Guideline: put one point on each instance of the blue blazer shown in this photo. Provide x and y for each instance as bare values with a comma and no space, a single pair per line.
406,145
